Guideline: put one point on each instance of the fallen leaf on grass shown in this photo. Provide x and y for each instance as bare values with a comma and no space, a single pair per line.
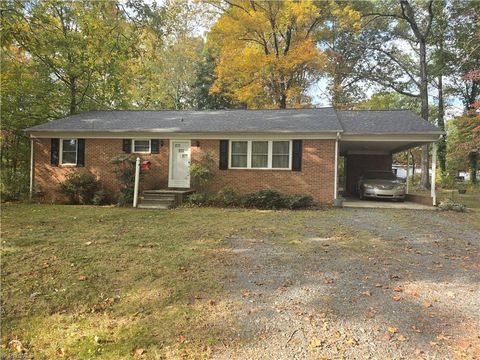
17,346
418,352
88,243
367,293
427,304
212,303
182,339
397,298
397,289
82,278
138,352
392,330
402,338
329,281
316,342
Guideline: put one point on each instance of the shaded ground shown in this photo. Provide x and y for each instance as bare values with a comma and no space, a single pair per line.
359,283
102,282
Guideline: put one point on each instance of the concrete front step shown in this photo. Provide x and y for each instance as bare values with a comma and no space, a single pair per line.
163,199
169,197
154,206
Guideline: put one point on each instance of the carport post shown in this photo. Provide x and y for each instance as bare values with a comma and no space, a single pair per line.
408,167
335,185
434,170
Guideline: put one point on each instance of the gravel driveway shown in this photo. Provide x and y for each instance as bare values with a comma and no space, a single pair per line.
358,284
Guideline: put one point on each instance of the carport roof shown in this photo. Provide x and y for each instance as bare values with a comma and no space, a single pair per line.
318,120
384,122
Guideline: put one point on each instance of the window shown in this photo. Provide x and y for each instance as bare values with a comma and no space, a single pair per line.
281,154
239,154
141,146
261,154
68,151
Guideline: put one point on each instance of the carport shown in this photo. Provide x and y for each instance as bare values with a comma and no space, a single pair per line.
371,138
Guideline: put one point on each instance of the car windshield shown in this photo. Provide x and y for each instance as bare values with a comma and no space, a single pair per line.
380,175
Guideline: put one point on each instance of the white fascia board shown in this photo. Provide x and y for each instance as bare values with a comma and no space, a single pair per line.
410,137
169,135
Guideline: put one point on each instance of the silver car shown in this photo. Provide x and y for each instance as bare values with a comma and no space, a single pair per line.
380,185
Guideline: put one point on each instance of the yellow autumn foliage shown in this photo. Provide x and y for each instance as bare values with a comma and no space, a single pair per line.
268,55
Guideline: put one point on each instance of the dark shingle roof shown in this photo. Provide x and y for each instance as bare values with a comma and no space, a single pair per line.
244,121
215,121
384,122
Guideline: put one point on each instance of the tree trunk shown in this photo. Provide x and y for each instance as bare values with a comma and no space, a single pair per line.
424,182
442,146
73,95
283,101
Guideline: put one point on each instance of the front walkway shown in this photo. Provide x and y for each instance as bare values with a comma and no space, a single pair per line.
352,202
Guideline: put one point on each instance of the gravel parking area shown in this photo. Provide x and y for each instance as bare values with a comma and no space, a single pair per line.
357,284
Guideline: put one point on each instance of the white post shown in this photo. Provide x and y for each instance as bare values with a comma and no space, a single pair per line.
31,168
335,185
137,179
434,170
408,169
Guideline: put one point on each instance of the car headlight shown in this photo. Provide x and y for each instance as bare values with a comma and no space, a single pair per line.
368,186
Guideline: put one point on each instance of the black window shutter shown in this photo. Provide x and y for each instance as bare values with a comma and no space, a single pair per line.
297,155
54,152
81,152
155,146
223,164
127,145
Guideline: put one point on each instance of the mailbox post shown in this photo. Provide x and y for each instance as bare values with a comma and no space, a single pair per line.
137,179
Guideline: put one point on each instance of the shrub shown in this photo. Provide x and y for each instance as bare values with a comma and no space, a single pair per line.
449,205
228,196
299,202
80,188
14,185
198,199
266,199
124,169
100,197
202,172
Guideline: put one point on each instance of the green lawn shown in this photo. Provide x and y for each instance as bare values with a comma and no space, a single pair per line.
470,199
84,281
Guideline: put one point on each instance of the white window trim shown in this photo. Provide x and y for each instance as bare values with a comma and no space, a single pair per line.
142,152
249,155
61,152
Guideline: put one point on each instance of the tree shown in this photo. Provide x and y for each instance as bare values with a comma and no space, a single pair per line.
78,42
268,57
205,99
418,20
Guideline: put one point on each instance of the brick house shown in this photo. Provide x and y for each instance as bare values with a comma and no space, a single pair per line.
294,151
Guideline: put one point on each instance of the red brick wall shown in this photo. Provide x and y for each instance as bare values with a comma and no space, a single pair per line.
315,179
98,154
356,165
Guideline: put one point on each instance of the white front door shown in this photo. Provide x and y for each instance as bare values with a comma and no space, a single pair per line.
179,174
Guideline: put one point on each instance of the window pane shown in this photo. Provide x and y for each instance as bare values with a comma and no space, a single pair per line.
141,145
70,145
259,161
259,147
280,161
239,160
281,147
259,154
239,147
69,157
